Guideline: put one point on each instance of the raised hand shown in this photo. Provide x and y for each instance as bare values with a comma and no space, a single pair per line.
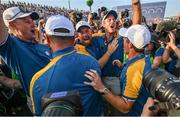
171,44
112,46
135,1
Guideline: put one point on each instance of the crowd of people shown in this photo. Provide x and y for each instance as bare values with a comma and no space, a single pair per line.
101,55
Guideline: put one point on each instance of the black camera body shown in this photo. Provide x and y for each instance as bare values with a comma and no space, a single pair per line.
163,29
125,13
164,87
79,16
126,22
95,16
64,103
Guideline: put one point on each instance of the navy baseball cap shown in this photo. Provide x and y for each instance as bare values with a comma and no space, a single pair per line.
111,12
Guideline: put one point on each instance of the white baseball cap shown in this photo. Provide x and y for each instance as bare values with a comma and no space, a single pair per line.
59,25
138,35
82,24
13,13
122,32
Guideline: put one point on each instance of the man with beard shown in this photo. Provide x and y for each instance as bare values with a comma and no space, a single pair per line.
84,44
66,70
111,71
133,94
110,61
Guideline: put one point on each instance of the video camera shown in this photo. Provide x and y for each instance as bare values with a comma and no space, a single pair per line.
164,27
164,87
64,103
79,16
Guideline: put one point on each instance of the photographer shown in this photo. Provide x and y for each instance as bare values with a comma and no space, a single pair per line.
171,45
172,53
164,88
125,21
93,21
146,111
155,51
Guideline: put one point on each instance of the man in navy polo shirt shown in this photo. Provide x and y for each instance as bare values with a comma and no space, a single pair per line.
111,70
84,44
19,50
66,70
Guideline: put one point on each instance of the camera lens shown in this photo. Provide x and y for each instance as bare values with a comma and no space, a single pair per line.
162,85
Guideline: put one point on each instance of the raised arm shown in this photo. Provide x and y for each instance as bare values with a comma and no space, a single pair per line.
3,29
172,44
137,12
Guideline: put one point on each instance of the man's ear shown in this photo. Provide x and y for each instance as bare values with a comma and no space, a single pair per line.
131,45
47,38
103,22
12,24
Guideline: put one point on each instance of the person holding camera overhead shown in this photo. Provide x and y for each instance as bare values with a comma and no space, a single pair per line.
66,70
172,53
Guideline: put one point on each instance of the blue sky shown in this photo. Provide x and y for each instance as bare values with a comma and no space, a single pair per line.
172,8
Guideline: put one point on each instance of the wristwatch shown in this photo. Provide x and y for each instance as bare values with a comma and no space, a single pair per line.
104,91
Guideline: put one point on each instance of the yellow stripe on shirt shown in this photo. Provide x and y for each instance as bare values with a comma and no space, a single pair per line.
81,49
134,77
41,72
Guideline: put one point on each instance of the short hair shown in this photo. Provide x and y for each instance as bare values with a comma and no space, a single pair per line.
61,38
136,49
139,50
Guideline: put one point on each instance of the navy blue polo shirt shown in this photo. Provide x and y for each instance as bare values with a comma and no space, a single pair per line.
65,74
109,69
24,58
